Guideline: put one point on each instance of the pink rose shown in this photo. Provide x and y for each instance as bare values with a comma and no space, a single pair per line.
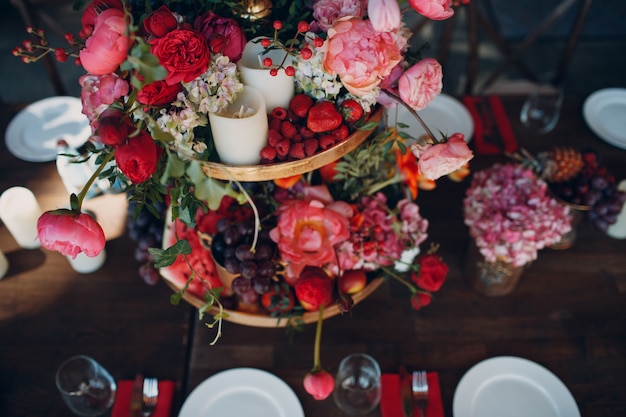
433,9
360,55
421,83
159,22
184,54
70,233
441,159
108,46
90,16
306,234
326,12
232,38
137,158
384,14
319,384
158,93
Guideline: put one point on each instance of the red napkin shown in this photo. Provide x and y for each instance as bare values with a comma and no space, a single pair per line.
502,124
391,401
125,389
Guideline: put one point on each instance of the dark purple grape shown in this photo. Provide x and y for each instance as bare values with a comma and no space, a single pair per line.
149,274
218,245
232,265
229,252
244,252
229,303
261,285
610,218
241,285
266,269
142,255
599,183
246,228
249,297
222,225
264,251
248,269
231,236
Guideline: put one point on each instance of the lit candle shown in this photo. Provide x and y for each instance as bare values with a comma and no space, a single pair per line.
84,264
240,131
4,265
277,90
19,211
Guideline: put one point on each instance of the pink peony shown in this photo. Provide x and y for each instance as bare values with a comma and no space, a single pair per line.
326,12
232,38
433,9
91,13
384,14
360,55
108,46
319,384
70,233
421,83
441,159
306,234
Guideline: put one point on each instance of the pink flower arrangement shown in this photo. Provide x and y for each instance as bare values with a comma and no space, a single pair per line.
511,216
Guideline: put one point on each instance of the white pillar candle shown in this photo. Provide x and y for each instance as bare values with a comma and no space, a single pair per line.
240,131
278,90
618,229
19,211
4,265
84,264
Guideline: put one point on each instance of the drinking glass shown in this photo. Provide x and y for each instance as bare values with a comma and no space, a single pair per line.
357,384
541,110
86,387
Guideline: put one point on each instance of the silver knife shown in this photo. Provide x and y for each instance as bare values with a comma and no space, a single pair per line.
406,393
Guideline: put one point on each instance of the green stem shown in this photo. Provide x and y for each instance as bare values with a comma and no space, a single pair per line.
317,364
397,98
87,186
399,279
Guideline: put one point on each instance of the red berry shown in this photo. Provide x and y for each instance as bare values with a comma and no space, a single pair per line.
268,153
265,42
278,25
296,151
28,45
69,37
290,71
282,148
318,42
303,26
60,54
273,137
287,129
279,113
267,62
306,53
326,141
273,72
300,104
310,146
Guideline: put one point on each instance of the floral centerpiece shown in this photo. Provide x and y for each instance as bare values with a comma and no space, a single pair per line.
154,78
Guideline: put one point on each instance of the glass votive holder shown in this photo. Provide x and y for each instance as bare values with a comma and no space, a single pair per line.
84,264
357,384
19,211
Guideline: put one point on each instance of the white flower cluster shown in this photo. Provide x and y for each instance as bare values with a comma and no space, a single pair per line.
310,76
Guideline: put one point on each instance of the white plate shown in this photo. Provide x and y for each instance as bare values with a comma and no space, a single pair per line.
242,392
33,133
508,386
605,113
445,113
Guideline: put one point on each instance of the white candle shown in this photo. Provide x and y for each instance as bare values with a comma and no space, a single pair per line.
240,131
278,90
19,211
618,229
4,265
84,264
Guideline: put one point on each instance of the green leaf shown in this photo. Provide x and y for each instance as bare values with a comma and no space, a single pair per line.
175,168
166,257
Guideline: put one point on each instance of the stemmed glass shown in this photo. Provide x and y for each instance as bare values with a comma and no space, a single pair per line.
86,387
357,384
542,108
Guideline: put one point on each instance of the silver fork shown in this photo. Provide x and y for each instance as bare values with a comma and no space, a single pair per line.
150,396
419,387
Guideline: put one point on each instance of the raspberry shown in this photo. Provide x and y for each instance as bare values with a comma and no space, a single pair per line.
296,138
279,113
326,141
273,137
287,129
274,123
310,146
341,132
282,148
296,151
306,133
268,153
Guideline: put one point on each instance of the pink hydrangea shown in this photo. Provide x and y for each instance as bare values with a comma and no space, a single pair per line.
99,92
360,55
511,216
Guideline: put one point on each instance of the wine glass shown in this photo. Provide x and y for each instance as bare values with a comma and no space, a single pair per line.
541,110
357,384
86,387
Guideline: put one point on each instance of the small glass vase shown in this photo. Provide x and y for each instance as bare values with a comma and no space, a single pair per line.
577,214
492,279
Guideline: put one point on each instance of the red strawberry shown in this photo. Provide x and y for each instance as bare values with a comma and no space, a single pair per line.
351,110
300,105
323,117
341,132
314,288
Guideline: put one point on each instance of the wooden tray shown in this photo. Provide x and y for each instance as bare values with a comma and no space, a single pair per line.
264,320
287,169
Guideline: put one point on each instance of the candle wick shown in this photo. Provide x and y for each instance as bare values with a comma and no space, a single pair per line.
241,111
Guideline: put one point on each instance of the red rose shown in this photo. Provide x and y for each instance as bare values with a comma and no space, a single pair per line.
158,93
184,54
432,272
227,33
137,158
113,127
420,299
70,233
160,22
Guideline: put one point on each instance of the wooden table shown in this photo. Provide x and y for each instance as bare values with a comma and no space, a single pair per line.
568,312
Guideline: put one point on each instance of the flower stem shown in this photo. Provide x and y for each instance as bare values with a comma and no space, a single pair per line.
90,181
317,364
399,279
397,98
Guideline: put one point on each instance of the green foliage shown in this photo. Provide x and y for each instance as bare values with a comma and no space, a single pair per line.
166,257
